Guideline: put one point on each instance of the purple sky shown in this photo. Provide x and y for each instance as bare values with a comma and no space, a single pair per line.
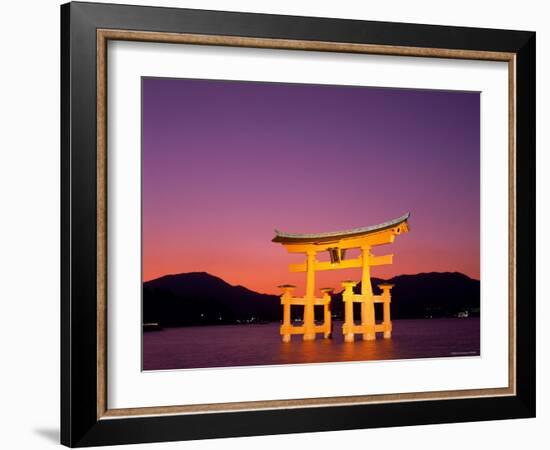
224,163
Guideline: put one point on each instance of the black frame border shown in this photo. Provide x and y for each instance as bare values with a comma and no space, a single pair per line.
79,423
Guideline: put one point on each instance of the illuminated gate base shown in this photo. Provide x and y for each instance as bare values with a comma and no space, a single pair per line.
336,244
309,329
368,327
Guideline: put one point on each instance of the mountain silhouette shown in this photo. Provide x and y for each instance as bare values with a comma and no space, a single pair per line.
198,298
433,295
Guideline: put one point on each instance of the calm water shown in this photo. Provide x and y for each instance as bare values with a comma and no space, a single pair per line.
252,345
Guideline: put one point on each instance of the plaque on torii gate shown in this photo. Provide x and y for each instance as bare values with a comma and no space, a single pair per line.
336,243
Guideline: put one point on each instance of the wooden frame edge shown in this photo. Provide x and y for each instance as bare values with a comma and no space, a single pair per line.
103,35
512,238
303,403
101,190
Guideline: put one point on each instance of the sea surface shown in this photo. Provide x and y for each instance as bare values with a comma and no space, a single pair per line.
258,345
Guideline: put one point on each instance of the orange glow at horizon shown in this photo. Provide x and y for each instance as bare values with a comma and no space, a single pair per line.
263,267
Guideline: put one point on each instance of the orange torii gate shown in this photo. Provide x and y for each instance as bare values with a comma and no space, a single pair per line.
336,243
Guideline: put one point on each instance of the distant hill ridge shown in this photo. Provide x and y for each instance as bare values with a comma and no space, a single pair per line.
197,298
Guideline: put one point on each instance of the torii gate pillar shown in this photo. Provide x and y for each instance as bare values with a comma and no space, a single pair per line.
367,305
309,305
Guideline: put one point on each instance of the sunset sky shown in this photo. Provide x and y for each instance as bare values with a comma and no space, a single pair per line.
225,163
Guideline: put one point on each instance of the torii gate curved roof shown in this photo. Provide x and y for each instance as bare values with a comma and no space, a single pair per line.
304,238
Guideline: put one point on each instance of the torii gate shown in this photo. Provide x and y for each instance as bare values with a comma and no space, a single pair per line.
336,243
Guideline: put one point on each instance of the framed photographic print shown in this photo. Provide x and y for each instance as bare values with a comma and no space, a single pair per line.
276,224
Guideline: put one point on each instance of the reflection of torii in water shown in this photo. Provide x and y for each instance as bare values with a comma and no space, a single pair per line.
336,243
